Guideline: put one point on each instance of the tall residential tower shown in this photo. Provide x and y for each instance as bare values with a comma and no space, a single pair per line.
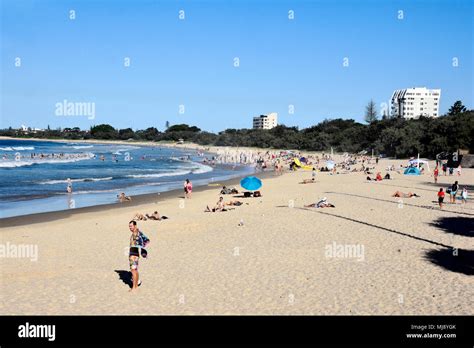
415,102
265,121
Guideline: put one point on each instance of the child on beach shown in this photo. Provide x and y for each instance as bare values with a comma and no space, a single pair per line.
440,198
464,195
435,175
138,243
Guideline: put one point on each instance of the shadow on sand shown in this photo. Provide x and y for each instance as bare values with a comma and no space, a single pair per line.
462,262
126,277
462,226
455,260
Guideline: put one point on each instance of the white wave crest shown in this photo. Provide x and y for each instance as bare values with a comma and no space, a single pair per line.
52,182
14,164
17,148
202,168
83,147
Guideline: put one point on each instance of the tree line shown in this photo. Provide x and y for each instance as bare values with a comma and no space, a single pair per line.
392,137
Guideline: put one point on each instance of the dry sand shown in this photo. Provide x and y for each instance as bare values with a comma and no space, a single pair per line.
276,263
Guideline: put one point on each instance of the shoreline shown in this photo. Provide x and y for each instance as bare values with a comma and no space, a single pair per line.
169,144
137,201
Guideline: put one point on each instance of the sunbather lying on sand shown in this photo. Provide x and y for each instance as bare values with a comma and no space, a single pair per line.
228,191
308,181
235,203
404,195
219,206
156,216
139,216
323,203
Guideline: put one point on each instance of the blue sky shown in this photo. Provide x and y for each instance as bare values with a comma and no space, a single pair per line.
190,62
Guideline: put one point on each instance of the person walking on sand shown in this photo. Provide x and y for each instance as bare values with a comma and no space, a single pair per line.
138,241
435,175
464,195
188,188
440,198
454,191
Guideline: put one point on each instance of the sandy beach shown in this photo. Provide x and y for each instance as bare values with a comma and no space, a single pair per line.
284,259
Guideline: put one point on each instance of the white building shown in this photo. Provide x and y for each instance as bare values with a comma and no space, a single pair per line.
265,121
415,102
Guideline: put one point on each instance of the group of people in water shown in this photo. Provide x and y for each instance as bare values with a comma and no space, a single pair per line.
46,156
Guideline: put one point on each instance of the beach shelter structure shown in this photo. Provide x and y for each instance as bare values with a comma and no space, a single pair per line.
412,171
417,162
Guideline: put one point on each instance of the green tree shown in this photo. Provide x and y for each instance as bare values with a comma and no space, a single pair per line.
103,131
457,108
370,112
126,134
182,128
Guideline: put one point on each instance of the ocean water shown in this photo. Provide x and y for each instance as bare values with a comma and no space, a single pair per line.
34,174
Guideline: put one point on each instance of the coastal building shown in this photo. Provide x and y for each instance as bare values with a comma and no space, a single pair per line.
26,130
415,102
265,121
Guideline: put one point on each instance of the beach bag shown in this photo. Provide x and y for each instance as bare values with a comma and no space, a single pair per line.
448,190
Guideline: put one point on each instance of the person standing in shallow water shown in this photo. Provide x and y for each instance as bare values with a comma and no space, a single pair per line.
69,185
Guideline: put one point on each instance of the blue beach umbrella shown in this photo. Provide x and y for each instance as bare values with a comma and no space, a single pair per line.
330,164
251,183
